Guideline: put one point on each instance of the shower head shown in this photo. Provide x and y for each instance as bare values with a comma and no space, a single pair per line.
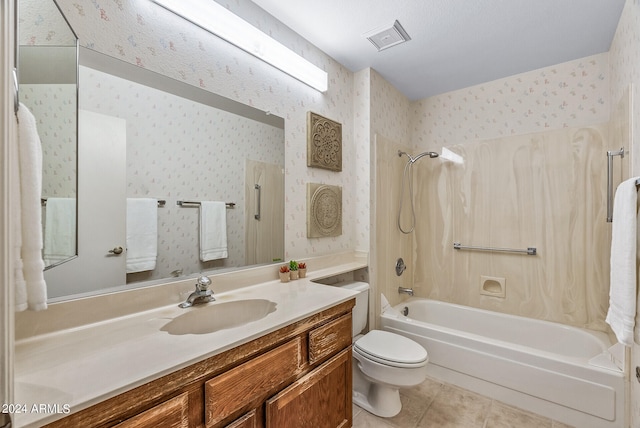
413,159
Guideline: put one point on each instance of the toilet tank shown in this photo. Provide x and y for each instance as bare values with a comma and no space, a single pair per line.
360,312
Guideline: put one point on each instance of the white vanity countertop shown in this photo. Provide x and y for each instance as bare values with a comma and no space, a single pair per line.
83,366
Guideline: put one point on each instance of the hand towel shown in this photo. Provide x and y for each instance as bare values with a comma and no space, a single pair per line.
32,293
622,286
59,230
142,234
213,230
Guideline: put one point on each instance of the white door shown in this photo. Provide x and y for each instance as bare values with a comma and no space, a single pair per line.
101,209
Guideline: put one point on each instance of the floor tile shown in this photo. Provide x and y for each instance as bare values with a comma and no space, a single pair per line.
434,404
456,407
504,416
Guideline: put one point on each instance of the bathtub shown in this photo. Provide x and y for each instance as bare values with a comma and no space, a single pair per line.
561,372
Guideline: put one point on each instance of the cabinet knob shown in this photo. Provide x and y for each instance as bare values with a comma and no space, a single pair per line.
117,250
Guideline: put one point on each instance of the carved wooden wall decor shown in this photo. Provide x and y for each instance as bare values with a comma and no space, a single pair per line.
324,210
324,142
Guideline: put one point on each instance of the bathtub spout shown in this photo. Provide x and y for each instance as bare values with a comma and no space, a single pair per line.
403,290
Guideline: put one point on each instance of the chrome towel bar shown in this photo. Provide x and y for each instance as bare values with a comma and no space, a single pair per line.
182,203
531,251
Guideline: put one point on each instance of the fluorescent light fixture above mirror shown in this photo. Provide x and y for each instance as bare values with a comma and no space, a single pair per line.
218,20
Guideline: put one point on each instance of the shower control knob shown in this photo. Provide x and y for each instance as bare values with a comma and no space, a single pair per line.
400,266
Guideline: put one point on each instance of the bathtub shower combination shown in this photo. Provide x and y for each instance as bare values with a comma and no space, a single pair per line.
563,372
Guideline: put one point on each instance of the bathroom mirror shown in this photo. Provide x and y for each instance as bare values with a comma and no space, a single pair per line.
178,144
48,76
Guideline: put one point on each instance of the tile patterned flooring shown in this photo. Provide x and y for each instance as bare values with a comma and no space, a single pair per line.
436,405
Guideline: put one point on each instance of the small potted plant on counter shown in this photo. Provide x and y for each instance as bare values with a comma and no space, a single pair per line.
302,269
293,267
284,273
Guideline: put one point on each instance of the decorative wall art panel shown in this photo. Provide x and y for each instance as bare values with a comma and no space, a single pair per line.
324,142
324,210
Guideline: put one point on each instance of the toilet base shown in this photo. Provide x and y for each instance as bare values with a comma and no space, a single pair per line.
382,401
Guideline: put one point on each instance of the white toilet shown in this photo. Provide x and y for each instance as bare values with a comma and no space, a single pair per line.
383,362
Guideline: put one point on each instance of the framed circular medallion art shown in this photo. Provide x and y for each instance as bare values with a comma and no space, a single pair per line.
324,210
324,142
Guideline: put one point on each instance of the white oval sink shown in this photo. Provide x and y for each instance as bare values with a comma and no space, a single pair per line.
212,317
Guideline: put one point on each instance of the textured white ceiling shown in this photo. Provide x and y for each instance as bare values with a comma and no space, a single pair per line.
455,43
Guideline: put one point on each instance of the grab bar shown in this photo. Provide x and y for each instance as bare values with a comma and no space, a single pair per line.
610,155
531,251
259,189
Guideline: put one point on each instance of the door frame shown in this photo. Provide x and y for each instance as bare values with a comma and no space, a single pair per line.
7,237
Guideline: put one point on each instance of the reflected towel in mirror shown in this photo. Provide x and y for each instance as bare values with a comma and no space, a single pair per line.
213,230
31,289
59,230
142,234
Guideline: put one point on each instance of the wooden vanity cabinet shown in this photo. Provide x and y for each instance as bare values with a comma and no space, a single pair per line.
299,375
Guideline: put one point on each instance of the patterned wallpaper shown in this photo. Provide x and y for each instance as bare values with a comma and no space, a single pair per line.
53,107
179,149
145,34
41,24
565,95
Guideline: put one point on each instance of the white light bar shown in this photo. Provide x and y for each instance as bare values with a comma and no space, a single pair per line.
218,20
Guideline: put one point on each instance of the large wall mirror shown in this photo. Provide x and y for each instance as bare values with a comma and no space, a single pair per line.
47,72
145,137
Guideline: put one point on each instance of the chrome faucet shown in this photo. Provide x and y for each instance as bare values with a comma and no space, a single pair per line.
201,295
403,290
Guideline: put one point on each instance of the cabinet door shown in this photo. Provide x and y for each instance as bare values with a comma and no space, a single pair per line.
170,414
321,399
247,386
249,420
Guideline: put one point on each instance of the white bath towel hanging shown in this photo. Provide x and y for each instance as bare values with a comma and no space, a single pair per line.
142,234
622,287
213,230
59,230
31,289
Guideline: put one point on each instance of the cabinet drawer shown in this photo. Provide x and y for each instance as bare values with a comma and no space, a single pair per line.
172,413
330,338
245,387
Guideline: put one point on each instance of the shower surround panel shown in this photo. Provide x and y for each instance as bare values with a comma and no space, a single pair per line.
545,190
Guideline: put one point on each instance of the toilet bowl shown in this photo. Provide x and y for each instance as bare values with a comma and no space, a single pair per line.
383,362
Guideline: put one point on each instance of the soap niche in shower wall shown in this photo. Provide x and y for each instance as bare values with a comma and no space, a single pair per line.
493,286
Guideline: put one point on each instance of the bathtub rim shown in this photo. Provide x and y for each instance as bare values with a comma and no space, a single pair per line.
601,337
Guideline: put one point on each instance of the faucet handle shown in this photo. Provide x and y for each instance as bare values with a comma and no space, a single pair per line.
203,283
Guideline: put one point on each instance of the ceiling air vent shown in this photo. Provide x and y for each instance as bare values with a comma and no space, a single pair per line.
386,37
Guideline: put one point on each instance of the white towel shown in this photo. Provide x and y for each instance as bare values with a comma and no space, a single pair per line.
142,234
31,289
59,230
213,230
622,287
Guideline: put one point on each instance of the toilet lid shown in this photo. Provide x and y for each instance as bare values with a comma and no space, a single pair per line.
390,348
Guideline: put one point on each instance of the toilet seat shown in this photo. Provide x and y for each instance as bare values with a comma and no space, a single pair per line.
391,349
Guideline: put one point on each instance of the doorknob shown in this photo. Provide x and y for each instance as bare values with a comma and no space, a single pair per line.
117,250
